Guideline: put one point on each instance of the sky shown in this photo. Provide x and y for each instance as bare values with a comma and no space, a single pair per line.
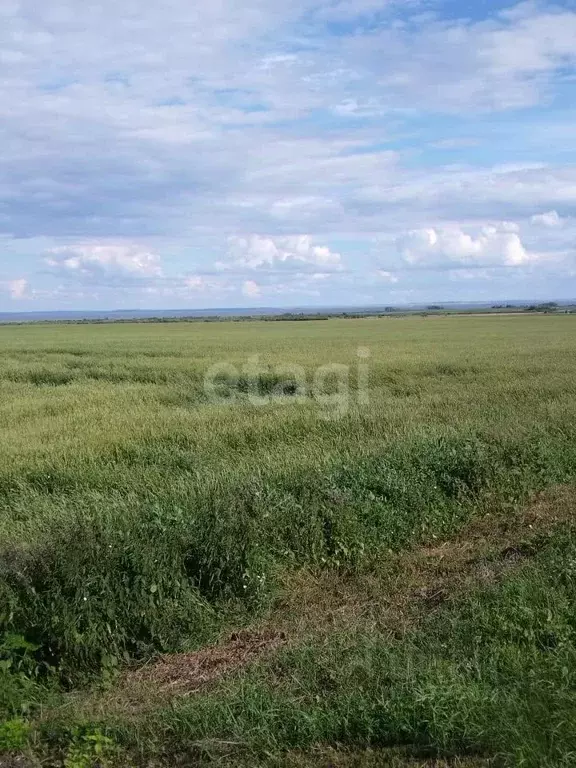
245,153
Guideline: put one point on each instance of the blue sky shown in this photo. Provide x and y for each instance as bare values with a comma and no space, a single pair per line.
271,153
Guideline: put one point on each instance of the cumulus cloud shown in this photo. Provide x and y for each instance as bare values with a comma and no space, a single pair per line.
256,252
105,262
16,289
550,219
251,289
493,245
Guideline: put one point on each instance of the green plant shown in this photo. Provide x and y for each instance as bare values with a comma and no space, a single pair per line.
89,747
18,655
13,735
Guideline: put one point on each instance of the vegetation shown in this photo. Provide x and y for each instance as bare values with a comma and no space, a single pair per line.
549,306
362,497
292,316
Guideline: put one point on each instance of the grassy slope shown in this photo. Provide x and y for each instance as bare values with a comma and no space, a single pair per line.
136,516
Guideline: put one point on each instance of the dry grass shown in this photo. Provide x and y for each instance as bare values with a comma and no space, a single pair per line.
186,673
417,580
373,758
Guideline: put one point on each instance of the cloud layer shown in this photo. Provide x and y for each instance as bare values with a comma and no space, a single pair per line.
318,151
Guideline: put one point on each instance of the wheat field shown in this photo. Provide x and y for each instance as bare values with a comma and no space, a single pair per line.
162,484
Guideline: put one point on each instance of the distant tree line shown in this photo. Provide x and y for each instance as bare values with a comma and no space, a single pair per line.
545,307
548,306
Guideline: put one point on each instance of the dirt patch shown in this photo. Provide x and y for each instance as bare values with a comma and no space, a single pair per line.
190,672
485,550
421,579
15,761
372,758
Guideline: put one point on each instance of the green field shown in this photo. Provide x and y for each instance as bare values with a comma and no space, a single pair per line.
353,547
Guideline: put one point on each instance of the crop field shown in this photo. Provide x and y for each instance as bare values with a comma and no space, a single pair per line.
340,542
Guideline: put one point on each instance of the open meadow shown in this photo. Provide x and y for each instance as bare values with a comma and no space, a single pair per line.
343,542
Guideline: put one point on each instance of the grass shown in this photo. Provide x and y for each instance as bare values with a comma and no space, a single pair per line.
138,516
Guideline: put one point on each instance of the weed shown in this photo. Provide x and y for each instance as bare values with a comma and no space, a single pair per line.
13,735
88,748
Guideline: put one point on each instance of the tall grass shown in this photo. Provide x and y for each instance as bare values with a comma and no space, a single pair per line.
149,574
492,674
136,516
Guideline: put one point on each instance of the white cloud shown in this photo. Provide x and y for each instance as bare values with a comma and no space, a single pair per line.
201,284
470,274
505,62
457,193
16,289
551,219
257,252
140,131
387,276
145,143
195,282
431,247
251,289
105,262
